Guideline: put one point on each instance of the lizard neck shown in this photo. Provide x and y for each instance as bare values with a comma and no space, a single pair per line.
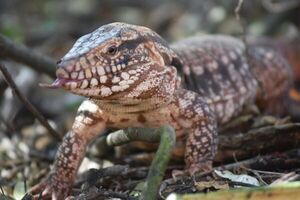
132,106
150,94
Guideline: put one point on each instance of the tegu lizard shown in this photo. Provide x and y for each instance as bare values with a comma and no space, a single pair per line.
134,78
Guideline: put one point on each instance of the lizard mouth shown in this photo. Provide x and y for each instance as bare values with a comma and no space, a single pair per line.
65,81
59,83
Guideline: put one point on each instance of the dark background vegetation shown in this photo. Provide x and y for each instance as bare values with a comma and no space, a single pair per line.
52,26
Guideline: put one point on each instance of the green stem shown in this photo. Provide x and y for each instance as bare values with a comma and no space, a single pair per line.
133,134
159,163
167,138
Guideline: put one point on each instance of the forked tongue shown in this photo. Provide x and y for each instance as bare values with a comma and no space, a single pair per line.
58,83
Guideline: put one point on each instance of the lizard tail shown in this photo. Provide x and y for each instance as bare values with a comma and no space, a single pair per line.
291,51
292,103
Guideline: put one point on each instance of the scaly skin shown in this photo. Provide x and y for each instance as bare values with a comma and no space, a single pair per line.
130,75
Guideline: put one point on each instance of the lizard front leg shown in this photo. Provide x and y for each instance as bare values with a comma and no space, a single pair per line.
88,124
201,125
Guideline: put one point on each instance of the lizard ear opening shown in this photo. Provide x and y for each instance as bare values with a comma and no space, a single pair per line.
177,64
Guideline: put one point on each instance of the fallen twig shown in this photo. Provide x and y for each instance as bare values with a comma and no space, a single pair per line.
267,161
94,175
266,139
285,161
289,177
96,193
28,105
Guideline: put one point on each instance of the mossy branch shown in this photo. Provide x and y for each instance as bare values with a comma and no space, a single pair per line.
166,137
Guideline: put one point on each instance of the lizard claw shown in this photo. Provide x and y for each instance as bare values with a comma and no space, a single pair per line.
193,169
202,167
176,174
50,188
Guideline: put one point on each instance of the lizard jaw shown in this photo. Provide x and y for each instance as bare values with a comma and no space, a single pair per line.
62,81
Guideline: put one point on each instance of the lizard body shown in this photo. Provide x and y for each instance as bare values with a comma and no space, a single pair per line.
133,78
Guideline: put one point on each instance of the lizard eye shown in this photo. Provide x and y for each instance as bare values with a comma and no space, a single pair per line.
112,50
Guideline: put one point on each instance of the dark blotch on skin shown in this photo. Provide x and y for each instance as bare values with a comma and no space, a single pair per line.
85,113
124,120
88,114
132,44
125,60
141,118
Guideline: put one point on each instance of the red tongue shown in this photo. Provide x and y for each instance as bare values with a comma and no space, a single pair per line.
58,83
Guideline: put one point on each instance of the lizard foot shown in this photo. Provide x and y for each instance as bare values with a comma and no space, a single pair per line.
51,188
196,168
193,169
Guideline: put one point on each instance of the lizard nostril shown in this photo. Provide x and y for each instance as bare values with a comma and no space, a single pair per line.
67,65
58,62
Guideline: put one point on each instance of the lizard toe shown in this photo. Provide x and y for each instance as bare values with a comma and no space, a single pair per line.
196,168
50,188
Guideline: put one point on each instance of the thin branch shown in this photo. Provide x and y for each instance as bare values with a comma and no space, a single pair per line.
289,177
285,160
23,54
280,6
28,105
237,11
5,197
266,139
8,126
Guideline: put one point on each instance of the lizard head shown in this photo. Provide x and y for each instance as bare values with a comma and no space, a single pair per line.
117,60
